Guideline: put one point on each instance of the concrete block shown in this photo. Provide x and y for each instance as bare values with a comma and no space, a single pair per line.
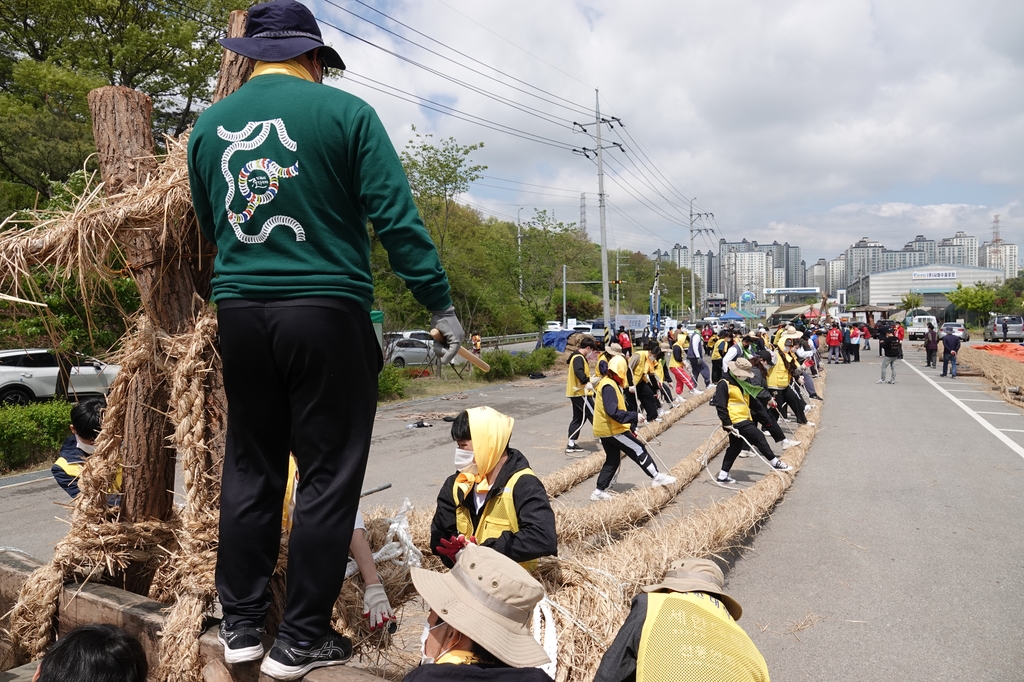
15,568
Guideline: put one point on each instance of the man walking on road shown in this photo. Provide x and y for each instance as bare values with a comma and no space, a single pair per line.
891,346
292,281
950,348
931,345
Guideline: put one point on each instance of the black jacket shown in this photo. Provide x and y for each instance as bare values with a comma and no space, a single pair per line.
892,346
447,672
950,343
70,451
722,400
537,536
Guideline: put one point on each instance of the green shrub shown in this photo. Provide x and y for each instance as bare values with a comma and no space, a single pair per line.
546,357
524,363
505,365
391,383
501,365
30,434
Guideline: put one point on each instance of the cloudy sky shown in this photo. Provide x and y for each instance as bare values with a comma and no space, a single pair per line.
815,122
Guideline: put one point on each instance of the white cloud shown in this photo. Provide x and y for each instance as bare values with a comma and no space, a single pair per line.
807,121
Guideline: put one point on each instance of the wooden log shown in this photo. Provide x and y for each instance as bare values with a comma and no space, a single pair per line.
234,68
124,137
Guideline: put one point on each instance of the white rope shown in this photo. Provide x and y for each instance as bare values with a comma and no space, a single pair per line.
398,545
544,620
565,612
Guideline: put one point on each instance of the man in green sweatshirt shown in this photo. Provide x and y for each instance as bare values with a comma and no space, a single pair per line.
285,174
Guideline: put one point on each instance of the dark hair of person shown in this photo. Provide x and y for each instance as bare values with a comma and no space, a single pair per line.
485,656
86,417
460,427
652,345
587,342
95,653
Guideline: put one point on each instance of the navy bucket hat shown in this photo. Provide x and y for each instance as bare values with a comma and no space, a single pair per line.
281,30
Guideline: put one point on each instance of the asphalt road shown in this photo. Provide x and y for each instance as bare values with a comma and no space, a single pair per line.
895,555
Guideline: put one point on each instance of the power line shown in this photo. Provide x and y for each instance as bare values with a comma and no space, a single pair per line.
530,184
445,109
550,118
576,108
521,191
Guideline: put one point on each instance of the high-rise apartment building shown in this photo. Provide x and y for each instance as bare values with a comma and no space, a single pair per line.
794,266
747,271
863,258
970,245
929,246
897,260
681,256
836,275
817,275
1001,256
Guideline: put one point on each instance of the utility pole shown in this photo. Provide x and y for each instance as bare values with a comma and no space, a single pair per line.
598,123
519,250
693,283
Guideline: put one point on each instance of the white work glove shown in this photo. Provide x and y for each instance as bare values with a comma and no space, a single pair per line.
589,388
376,606
448,324
641,419
632,389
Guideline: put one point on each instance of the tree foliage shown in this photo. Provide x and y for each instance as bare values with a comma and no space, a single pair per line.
978,299
53,52
911,301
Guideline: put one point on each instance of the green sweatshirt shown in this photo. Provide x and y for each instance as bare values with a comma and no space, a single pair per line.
285,174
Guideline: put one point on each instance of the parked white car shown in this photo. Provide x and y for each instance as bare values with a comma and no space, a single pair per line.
553,326
28,374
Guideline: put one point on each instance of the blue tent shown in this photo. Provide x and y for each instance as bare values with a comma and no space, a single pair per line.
731,315
556,340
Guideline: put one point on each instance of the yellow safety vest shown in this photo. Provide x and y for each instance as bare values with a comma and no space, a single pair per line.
691,636
641,362
74,470
498,516
573,386
604,425
672,356
719,349
779,377
739,403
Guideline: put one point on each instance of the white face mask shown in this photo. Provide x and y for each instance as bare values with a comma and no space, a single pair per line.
463,458
85,447
424,659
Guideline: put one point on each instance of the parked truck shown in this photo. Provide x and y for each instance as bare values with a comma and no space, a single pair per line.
917,326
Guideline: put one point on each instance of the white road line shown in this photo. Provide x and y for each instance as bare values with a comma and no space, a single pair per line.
981,400
1008,414
964,390
1004,430
15,485
974,415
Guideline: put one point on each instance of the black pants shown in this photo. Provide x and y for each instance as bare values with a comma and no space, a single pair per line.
580,412
787,397
855,351
648,400
764,418
700,369
630,397
716,371
300,376
929,357
736,444
614,446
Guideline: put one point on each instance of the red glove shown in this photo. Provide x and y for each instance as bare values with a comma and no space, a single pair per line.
452,546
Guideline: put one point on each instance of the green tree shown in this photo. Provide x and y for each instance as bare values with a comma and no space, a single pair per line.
911,301
52,52
978,299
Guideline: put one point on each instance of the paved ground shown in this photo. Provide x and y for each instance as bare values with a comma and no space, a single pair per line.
896,554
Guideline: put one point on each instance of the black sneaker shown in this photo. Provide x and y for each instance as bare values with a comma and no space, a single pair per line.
290,661
569,449
242,642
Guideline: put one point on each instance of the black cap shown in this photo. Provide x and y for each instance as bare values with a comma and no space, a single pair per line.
281,30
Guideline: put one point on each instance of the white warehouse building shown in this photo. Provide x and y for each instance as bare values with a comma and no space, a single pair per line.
933,282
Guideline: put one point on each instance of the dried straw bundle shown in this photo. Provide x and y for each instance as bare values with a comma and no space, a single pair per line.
571,476
594,589
1002,371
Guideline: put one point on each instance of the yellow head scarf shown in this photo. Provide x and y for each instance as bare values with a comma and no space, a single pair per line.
491,431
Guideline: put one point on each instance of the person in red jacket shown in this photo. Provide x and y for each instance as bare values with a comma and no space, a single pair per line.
834,339
865,336
626,342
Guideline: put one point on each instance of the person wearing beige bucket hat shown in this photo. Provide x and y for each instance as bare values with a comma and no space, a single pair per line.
684,628
785,369
478,627
732,401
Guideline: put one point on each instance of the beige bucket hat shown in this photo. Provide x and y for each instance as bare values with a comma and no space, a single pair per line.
791,333
613,349
698,575
742,368
489,598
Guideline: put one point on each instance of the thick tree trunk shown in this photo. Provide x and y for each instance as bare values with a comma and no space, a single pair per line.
234,68
124,137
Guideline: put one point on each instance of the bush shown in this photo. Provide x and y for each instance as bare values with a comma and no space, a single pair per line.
505,365
391,383
33,433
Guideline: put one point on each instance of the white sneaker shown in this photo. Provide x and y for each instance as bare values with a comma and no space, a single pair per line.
788,443
680,400
808,407
807,424
661,411
662,479
746,453
697,391
779,465
659,420
599,495
723,477
880,381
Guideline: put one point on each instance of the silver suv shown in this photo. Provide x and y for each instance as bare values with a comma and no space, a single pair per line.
1014,328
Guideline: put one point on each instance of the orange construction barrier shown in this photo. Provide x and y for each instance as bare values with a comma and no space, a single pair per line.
1013,351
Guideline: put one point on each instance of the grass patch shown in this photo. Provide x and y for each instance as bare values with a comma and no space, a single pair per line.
32,434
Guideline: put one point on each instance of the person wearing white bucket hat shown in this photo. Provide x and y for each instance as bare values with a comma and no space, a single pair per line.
478,627
684,628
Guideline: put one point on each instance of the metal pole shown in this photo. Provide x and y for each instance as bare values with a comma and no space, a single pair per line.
693,290
565,315
519,250
616,285
604,233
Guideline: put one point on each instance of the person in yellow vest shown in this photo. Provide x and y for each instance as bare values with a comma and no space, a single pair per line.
86,417
579,389
786,367
493,499
476,343
677,365
732,402
478,627
614,425
641,366
684,628
719,346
